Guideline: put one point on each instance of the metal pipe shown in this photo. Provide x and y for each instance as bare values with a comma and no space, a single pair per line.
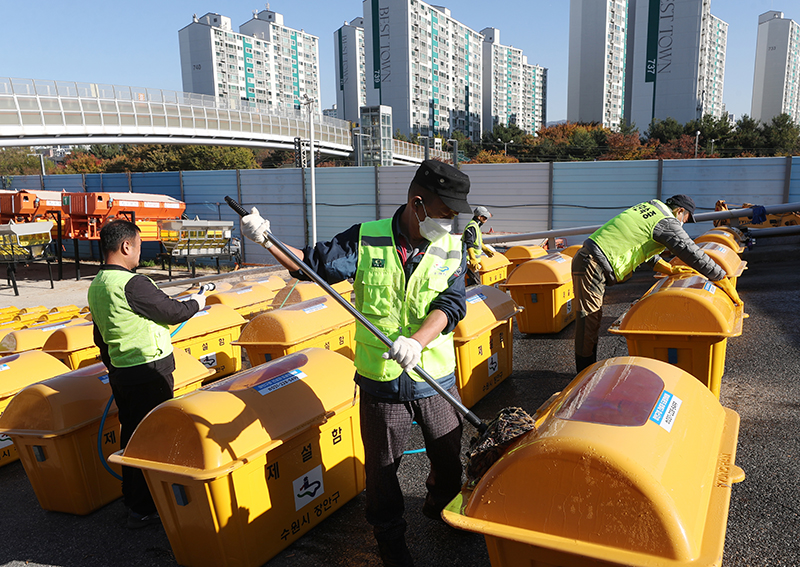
461,408
700,217
773,231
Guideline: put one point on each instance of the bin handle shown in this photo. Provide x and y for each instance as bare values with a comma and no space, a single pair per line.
461,408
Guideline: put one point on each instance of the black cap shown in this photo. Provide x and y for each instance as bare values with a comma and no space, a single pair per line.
448,183
683,201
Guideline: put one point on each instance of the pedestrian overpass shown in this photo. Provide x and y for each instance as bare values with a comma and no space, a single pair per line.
46,113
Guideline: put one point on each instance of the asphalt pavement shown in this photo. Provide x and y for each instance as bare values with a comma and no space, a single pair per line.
760,383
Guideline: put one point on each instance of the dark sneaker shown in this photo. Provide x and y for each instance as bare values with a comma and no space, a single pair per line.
394,553
136,521
429,510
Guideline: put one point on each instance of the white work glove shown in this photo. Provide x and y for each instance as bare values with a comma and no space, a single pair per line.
405,351
255,228
200,299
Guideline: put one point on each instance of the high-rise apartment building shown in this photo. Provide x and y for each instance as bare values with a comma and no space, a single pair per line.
598,35
424,64
514,92
264,63
677,63
776,84
351,79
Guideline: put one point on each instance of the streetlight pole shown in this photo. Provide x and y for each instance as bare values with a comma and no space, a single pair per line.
696,140
41,161
310,101
505,145
455,151
712,145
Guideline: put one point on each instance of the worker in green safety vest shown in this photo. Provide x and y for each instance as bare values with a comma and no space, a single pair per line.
408,274
131,318
473,242
616,249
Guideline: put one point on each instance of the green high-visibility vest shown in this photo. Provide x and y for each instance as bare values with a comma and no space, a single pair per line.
627,239
397,307
131,338
478,244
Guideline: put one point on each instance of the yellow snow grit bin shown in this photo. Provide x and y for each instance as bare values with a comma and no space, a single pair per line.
631,465
725,236
724,256
494,269
34,337
17,371
73,345
219,287
319,322
209,335
58,314
248,301
296,291
243,467
542,287
55,424
684,320
520,254
484,342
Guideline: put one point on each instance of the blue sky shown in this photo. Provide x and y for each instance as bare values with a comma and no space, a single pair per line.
136,43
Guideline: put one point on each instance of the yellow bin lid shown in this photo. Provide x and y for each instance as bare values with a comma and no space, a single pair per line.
301,291
486,306
552,269
59,405
523,253
212,318
571,250
25,368
244,296
682,305
219,287
724,256
490,263
632,464
70,338
228,423
721,236
36,336
294,324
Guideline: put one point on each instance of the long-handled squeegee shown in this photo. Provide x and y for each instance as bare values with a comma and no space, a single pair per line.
492,439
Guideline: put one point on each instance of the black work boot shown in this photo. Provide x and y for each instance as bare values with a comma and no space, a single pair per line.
394,552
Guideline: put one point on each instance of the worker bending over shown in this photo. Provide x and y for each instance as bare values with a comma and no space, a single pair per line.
409,283
615,250
473,241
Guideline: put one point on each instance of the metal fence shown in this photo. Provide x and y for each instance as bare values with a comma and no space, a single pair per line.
525,197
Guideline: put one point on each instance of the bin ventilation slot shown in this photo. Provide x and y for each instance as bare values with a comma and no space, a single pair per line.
181,498
38,452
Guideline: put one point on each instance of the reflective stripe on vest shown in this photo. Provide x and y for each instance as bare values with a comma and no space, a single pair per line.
131,338
627,239
478,244
397,308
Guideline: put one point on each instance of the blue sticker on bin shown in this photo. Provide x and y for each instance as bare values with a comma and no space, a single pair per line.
103,378
666,410
710,287
279,381
476,298
4,367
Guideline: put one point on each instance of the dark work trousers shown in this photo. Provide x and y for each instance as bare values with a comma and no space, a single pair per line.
134,402
589,282
385,428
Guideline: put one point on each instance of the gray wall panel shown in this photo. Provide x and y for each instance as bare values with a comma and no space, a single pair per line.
345,196
516,194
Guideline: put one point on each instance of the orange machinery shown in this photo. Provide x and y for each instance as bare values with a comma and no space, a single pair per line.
30,206
88,212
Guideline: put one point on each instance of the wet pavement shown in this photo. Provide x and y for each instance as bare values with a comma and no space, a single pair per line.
760,383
